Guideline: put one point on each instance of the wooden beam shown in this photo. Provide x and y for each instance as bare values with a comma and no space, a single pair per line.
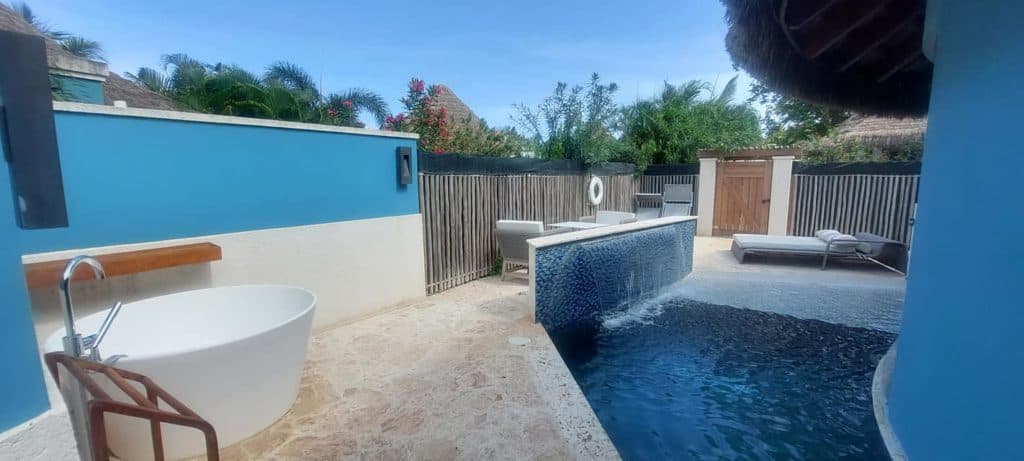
908,51
801,11
836,23
903,14
48,274
748,154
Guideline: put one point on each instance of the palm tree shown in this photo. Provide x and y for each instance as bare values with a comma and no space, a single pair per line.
725,97
83,48
78,46
285,91
22,9
291,76
361,100
688,117
150,78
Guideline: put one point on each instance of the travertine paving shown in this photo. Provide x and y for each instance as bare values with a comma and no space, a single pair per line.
446,378
466,374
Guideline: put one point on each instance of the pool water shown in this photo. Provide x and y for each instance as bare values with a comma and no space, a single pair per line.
686,380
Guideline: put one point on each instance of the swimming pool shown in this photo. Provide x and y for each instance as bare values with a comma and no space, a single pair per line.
680,379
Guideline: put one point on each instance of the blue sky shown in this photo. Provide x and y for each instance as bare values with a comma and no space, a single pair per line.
492,54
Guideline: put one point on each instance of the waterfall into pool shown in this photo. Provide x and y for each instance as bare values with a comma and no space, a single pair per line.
593,277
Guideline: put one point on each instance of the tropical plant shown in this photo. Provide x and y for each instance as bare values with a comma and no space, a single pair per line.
285,92
476,137
576,123
671,128
78,46
788,120
83,48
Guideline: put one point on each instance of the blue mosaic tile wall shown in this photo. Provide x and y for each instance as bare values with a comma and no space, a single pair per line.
578,280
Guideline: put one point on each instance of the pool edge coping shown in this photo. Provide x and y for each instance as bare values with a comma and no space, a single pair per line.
880,385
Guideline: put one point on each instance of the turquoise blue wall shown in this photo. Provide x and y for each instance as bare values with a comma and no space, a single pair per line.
22,392
80,89
133,180
957,391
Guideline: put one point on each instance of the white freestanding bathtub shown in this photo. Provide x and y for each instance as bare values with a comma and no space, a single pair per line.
234,355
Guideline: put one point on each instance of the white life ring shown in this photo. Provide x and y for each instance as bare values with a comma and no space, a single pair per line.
595,190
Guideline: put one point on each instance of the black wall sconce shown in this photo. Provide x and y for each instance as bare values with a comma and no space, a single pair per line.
404,155
29,134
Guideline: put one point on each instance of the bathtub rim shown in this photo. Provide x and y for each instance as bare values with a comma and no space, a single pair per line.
56,337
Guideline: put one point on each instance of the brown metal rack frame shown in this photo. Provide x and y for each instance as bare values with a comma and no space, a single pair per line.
144,406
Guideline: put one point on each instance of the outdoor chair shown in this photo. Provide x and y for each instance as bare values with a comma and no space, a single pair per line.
515,252
610,217
828,243
677,200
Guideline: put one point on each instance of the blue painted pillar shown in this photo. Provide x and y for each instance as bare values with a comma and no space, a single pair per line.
957,385
22,392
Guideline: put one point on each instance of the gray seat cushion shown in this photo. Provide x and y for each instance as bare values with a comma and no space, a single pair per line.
780,243
840,242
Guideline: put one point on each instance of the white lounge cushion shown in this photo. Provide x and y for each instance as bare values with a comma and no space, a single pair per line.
525,227
841,243
826,234
780,242
612,217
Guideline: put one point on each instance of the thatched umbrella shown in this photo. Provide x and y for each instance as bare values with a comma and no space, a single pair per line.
862,55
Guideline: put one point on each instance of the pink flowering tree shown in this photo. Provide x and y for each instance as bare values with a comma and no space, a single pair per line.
425,116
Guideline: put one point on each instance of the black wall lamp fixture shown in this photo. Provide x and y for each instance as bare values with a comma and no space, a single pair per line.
404,165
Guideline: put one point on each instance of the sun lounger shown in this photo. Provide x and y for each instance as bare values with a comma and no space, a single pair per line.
677,200
826,244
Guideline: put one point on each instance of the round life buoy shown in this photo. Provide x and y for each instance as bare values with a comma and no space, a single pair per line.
595,190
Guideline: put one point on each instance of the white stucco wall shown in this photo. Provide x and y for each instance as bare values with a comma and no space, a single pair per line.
778,209
706,196
354,267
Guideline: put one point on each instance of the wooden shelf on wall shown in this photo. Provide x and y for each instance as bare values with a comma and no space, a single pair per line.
48,274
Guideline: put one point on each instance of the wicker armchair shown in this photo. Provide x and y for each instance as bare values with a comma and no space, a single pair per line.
610,217
515,252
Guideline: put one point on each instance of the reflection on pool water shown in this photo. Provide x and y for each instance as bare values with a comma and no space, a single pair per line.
678,379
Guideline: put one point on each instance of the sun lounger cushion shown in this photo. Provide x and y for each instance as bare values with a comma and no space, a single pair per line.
520,226
780,242
613,217
789,243
841,243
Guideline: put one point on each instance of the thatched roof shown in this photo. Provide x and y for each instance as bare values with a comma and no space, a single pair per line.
118,88
10,21
457,109
115,88
862,55
883,131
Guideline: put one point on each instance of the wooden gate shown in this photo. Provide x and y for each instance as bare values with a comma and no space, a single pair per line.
743,191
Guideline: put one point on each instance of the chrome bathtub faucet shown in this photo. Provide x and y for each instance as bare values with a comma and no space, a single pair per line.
74,344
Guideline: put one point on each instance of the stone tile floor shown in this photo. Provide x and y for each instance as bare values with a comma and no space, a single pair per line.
444,378
849,293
